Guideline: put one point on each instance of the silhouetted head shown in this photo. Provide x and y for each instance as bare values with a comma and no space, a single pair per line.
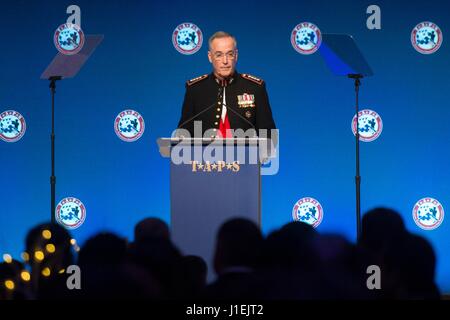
160,257
50,253
103,249
191,276
294,245
334,249
13,285
238,244
380,227
49,244
412,259
151,228
108,274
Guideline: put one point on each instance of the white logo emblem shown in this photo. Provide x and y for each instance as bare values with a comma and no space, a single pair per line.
370,125
306,38
129,125
12,126
187,38
70,213
69,39
428,213
426,38
308,210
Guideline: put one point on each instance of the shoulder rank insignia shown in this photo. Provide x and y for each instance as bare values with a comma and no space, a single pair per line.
252,78
195,80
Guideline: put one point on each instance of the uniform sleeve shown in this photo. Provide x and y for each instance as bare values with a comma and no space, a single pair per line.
187,110
264,118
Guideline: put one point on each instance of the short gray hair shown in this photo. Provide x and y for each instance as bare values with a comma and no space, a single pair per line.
221,34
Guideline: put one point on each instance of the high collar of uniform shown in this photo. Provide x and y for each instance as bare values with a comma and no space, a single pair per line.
227,81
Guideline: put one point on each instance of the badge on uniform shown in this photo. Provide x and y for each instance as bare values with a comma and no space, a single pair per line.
246,100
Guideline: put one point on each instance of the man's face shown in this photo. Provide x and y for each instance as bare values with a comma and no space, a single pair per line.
223,56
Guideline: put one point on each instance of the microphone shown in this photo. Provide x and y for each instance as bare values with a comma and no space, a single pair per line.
220,93
240,116
232,109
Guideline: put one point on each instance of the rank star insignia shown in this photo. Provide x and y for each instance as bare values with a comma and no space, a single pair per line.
252,78
195,80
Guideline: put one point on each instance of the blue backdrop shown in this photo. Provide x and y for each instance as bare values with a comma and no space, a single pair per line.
137,67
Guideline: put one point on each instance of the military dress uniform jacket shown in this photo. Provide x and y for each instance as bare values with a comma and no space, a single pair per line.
247,103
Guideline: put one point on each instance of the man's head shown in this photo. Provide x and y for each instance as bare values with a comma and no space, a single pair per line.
151,228
223,54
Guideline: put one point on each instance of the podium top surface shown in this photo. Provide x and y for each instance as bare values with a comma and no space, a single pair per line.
207,141
265,144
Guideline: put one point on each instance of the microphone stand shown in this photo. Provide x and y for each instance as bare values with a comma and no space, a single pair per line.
240,116
201,112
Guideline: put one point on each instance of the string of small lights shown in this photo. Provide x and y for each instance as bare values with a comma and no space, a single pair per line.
38,255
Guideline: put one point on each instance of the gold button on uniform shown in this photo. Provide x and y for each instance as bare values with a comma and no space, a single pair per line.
218,109
216,123
217,116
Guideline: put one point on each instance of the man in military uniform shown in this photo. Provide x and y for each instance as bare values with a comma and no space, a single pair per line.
225,100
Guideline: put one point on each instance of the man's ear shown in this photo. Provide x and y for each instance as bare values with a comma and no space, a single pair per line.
237,55
209,56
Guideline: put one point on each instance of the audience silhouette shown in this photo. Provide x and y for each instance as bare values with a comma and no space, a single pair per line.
294,262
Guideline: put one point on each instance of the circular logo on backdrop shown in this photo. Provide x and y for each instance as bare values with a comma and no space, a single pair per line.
306,38
12,126
370,125
129,125
308,210
70,213
187,38
69,39
428,213
426,38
